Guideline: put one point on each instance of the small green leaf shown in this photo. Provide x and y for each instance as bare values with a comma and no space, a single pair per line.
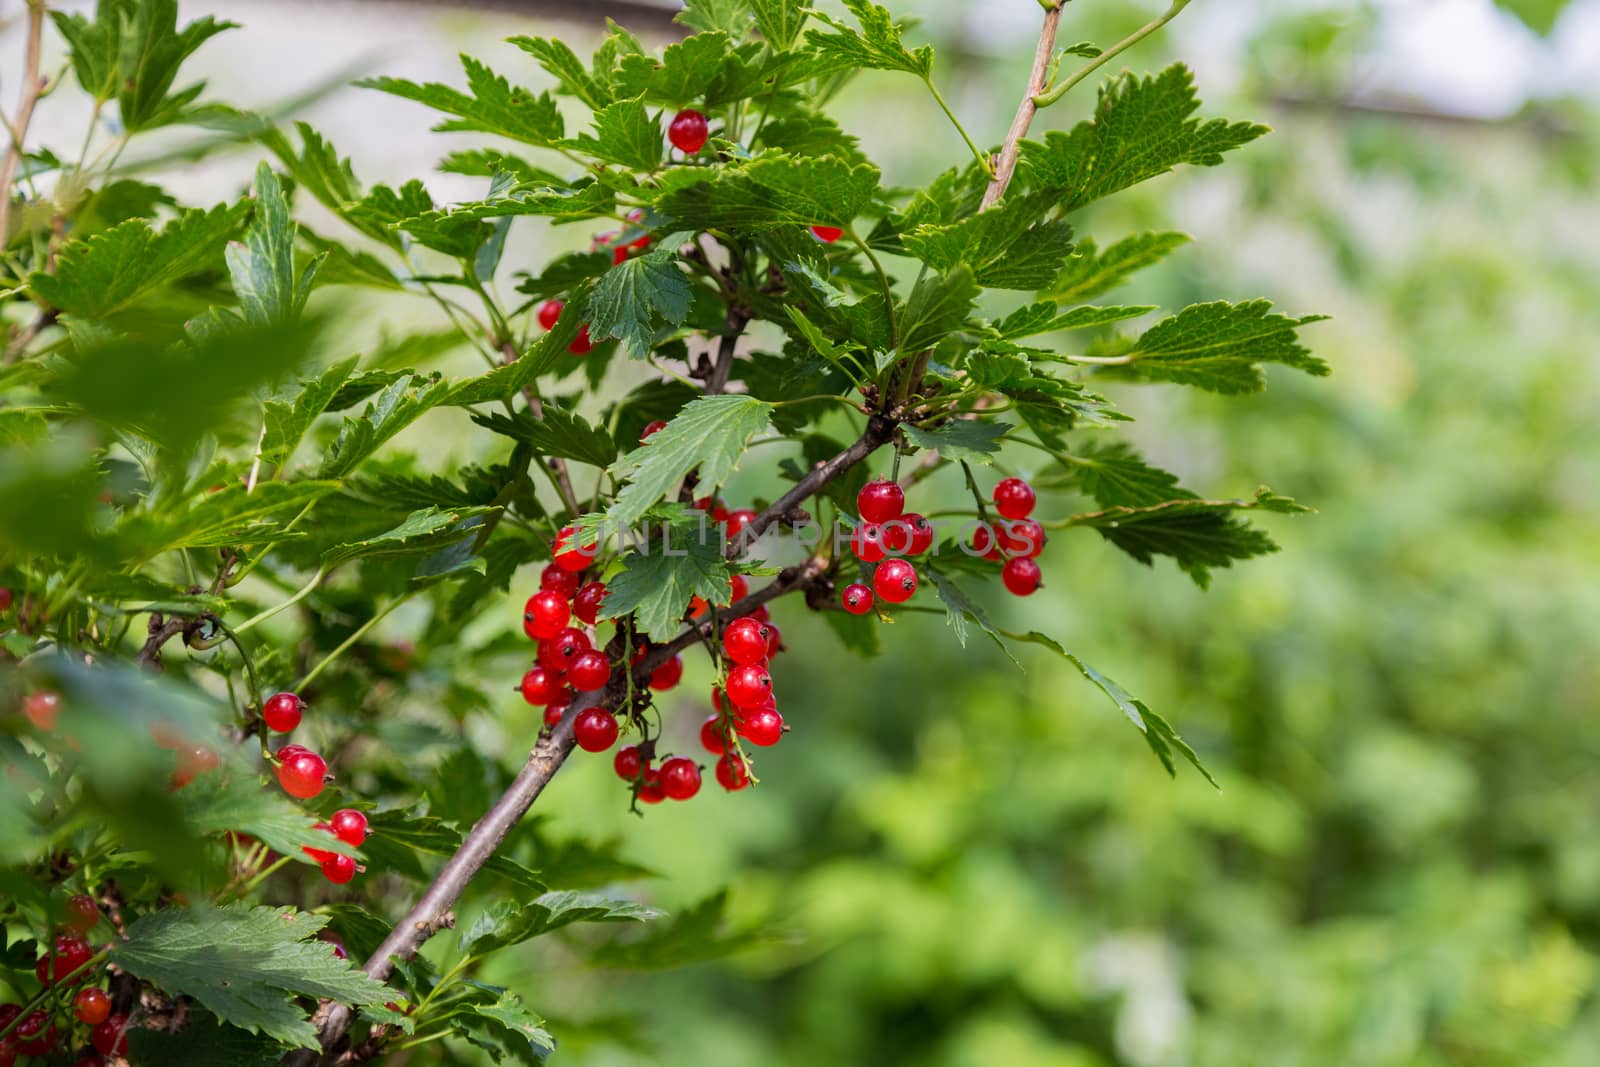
493,106
563,64
506,922
1218,346
680,560
877,45
937,306
262,267
625,134
1007,247
557,433
229,516
772,190
423,531
780,21
974,440
508,1012
631,295
397,406
288,420
1090,272
683,75
710,434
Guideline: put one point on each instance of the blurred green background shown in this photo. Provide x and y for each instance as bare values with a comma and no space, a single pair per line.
952,863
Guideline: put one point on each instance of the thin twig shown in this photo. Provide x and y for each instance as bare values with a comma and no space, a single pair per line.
879,430
557,465
1006,163
1049,97
733,326
32,85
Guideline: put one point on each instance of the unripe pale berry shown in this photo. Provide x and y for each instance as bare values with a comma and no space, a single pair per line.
282,712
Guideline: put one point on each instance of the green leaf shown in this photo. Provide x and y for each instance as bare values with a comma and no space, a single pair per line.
974,440
398,836
772,190
1142,128
681,559
558,433
288,420
400,404
1115,476
877,45
625,134
630,296
245,965
683,75
1005,247
503,383
563,64
835,353
1090,272
506,922
508,1012
116,267
710,16
1218,346
229,516
262,267
692,935
494,106
780,21
710,433
938,306
1540,16
203,1042
425,530
1042,318
565,204
213,805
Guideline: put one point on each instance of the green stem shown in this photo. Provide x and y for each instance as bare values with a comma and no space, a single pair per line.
977,496
1045,99
349,641
304,591
983,160
254,563
262,875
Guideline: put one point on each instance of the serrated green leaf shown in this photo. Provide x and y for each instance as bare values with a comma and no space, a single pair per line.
772,190
115,268
1117,477
683,75
245,965
510,1014
1007,247
568,204
212,805
506,922
229,516
876,45
632,295
504,383
625,134
262,267
425,530
732,17
563,64
557,433
710,434
973,440
1218,346
397,406
680,560
1042,317
493,106
1142,128
1089,272
938,305
780,21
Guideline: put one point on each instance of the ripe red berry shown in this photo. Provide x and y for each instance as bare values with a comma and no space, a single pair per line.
827,234
650,790
1020,537
570,554
582,343
545,614
732,774
620,253
586,605
82,912
595,729
302,774
880,501
110,1037
554,713
867,543
688,131
749,686
91,1006
562,650
1013,498
542,686
738,519
282,712
667,675
589,671
562,581
5,600
711,735
856,598
763,726
680,778
652,427
338,868
745,641
193,761
895,580
36,1036
983,542
921,533
774,639
738,589
627,762
69,953
88,1059
349,826
41,708
550,313
1021,576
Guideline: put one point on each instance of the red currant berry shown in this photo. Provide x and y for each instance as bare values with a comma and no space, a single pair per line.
732,774
586,605
542,686
738,519
680,778
745,641
194,761
763,726
589,671
749,686
774,639
339,869
738,589
711,735
82,913
827,234
110,1038
867,543
36,1036
880,501
627,762
562,650
88,1059
688,131
602,240
554,713
650,790
1020,537
1021,576
667,675
5,600
302,774
91,1006
595,729
550,313
282,712
349,826
70,953
716,697
545,614
653,427
1013,498
562,581
921,533
895,536
984,543
619,253
41,708
895,580
856,598
581,344
569,554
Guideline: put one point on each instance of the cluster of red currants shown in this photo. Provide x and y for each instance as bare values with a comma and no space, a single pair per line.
69,960
1017,538
886,534
302,774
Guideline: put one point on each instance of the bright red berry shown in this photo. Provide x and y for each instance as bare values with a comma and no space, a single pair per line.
688,131
349,826
545,614
586,605
763,726
667,675
653,427
589,671
338,868
91,1006
36,1036
627,762
1020,537
1013,498
541,685
110,1037
650,790
554,713
595,729
774,639
562,581
867,543
827,234
569,554
550,313
5,600
921,533
711,738
880,501
582,343
41,708
895,580
302,774
745,641
856,598
738,519
749,686
732,774
282,712
1021,576
983,542
738,589
69,953
560,651
680,778
82,912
